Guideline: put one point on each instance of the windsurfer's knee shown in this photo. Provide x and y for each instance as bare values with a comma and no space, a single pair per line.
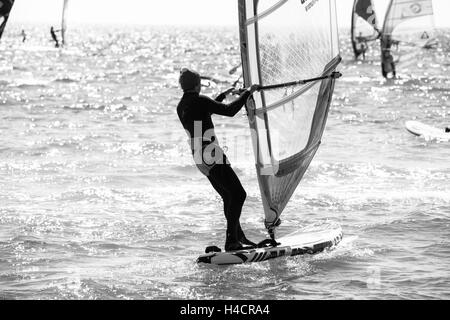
240,196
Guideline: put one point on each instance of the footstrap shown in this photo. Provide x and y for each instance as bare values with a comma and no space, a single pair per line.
267,243
212,249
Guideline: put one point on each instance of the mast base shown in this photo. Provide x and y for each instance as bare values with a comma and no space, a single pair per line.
271,230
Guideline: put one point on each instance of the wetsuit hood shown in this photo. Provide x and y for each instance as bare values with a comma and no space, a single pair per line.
189,80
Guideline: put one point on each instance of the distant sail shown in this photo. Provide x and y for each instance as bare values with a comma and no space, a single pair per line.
410,21
282,41
407,23
364,25
64,22
5,9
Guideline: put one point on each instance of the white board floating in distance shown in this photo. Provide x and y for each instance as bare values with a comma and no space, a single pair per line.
428,132
310,240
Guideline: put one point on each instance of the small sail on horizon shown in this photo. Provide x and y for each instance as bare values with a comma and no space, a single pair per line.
283,41
64,22
5,9
364,27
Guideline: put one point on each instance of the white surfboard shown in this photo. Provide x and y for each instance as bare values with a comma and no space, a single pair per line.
428,132
309,240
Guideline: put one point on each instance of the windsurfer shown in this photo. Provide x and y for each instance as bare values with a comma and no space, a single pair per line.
194,111
54,37
361,45
387,61
24,36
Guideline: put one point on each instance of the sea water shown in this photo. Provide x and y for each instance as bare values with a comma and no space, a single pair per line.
100,199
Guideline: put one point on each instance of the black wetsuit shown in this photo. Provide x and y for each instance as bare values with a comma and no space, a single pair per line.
387,61
195,110
362,46
53,34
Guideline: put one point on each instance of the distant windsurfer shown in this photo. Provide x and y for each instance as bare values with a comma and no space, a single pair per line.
194,111
387,60
431,43
447,130
361,45
54,37
388,65
24,36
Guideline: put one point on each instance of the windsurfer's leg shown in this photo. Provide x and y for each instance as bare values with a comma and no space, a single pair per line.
227,184
383,71
217,185
227,206
238,196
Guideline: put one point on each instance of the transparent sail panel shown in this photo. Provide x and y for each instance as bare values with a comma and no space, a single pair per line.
284,41
287,136
289,171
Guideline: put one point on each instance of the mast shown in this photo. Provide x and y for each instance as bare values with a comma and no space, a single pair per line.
64,22
352,35
385,40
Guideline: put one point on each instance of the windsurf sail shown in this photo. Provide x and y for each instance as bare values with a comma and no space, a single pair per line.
5,9
407,23
364,26
64,22
283,41
410,22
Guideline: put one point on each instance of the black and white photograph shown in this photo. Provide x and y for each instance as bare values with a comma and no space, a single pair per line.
224,154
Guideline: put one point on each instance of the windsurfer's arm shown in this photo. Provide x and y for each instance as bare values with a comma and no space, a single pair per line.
224,94
229,110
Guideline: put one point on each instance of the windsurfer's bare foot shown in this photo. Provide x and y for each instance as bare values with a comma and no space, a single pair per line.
247,242
234,246
243,239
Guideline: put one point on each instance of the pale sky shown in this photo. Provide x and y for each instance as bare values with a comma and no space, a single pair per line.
169,12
